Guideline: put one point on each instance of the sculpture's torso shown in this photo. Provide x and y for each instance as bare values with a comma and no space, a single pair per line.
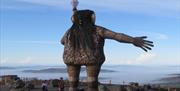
85,56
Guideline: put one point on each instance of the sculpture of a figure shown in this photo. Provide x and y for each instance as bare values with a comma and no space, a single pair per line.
83,46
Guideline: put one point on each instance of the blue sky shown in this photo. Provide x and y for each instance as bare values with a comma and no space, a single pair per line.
31,30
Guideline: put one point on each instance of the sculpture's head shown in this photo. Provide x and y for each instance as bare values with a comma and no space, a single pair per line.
81,32
83,17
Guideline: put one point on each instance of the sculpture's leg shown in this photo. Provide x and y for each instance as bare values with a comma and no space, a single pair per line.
92,73
73,76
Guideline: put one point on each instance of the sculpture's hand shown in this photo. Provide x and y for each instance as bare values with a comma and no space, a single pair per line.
143,44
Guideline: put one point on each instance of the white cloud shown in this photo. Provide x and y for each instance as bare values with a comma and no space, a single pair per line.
146,57
143,58
31,60
14,61
3,61
33,42
155,35
149,7
161,36
27,60
57,3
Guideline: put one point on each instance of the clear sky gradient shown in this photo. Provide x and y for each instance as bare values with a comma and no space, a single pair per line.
31,30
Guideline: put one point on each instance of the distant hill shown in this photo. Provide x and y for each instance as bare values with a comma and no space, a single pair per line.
7,68
173,80
60,70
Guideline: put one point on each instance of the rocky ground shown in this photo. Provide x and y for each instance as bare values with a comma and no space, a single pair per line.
102,87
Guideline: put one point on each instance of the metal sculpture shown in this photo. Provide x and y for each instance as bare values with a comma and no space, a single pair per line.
83,46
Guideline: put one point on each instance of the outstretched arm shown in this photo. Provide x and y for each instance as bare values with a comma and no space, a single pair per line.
136,41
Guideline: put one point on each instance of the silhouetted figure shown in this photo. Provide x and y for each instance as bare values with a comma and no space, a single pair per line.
44,85
61,84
